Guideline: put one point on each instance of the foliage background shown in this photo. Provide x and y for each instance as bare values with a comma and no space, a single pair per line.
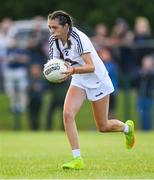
85,12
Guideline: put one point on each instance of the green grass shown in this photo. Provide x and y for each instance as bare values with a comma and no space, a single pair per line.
41,154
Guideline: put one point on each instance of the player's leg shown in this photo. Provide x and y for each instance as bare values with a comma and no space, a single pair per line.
74,99
100,110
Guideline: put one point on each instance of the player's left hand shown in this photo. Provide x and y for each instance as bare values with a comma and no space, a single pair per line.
70,70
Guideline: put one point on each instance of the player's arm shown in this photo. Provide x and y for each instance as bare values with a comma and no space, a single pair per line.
83,48
53,51
88,67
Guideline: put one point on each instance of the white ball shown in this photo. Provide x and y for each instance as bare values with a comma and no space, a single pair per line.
53,70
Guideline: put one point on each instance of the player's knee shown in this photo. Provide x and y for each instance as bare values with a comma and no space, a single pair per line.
103,128
68,116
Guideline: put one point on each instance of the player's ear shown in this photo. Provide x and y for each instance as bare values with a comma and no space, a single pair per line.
66,25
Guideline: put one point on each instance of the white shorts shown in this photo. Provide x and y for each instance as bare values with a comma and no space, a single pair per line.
94,94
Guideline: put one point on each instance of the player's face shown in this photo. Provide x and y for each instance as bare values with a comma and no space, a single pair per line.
57,30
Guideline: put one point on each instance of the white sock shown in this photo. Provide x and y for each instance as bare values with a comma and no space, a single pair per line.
126,129
76,153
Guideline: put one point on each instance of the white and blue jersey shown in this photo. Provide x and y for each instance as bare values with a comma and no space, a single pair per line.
80,44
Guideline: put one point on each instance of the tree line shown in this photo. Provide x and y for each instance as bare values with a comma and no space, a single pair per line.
85,12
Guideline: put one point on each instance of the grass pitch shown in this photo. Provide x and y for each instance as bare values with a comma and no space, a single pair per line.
41,154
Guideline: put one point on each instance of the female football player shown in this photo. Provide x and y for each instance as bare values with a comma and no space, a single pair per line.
90,80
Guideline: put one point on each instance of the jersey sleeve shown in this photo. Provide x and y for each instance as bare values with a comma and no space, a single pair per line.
83,43
53,51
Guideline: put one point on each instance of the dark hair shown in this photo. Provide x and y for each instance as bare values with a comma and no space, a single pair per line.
63,18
